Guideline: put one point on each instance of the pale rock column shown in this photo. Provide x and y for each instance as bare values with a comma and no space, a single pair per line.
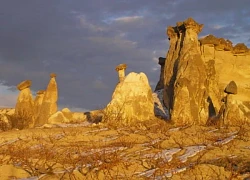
49,104
121,71
38,102
24,110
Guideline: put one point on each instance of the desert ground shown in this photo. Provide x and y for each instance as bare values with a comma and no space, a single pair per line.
149,150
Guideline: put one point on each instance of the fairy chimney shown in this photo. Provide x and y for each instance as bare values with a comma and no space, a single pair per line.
121,71
49,103
38,101
24,110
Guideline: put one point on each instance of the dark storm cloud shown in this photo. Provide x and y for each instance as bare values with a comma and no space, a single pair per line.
82,41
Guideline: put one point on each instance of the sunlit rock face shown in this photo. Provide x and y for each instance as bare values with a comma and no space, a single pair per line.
185,91
197,71
49,103
231,64
38,102
24,109
132,101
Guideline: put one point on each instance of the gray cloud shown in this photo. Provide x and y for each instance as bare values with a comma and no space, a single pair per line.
82,41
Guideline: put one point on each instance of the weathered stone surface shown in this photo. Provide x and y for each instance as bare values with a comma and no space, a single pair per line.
38,102
213,91
58,118
228,67
24,84
24,109
131,101
160,84
67,113
185,94
231,88
232,114
49,103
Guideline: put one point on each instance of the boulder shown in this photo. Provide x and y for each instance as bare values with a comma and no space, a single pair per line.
67,113
58,118
132,101
49,103
24,109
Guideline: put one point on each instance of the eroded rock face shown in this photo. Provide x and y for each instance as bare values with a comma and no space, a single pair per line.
24,109
185,92
49,103
131,101
230,65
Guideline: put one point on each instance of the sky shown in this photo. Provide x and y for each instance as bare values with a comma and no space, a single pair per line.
82,41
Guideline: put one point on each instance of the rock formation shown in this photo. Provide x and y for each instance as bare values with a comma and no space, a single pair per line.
49,103
131,101
121,71
185,75
58,118
160,84
196,72
24,110
38,102
231,63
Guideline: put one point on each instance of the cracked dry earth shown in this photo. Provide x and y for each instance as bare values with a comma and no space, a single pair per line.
144,151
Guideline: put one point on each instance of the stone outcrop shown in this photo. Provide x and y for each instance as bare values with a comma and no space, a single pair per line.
230,65
196,72
160,84
185,92
58,118
49,103
132,101
230,113
5,118
24,110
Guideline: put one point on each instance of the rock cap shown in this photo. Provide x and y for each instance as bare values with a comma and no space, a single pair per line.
121,67
24,84
231,88
52,75
190,23
162,61
40,92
